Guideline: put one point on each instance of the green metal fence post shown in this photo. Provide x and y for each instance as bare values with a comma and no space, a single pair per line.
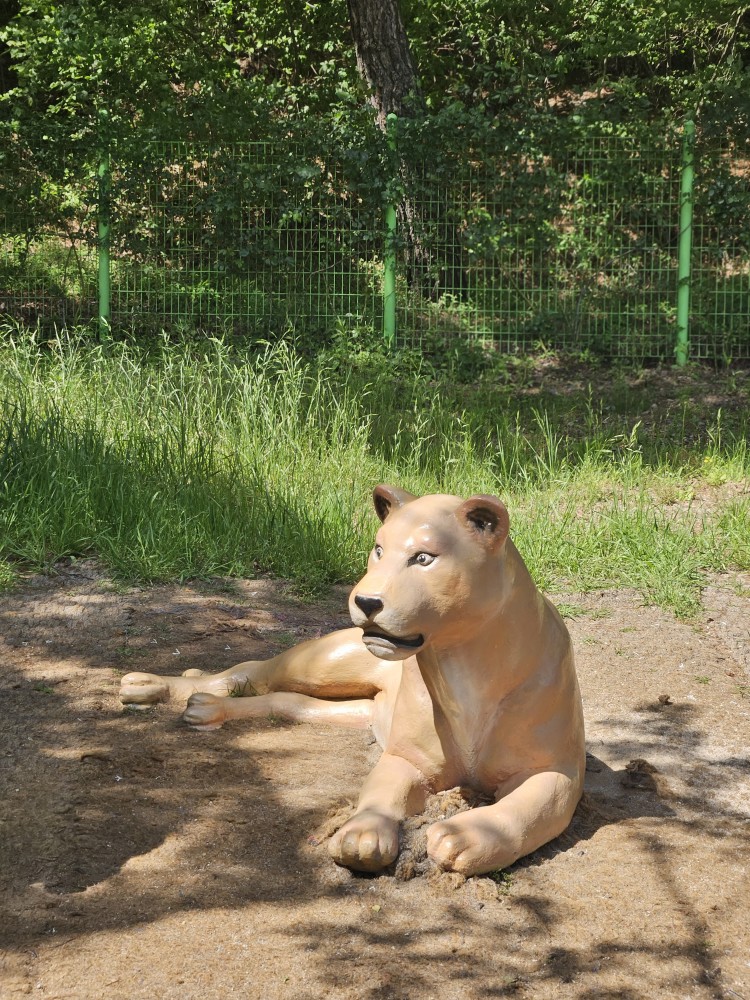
687,178
389,257
104,234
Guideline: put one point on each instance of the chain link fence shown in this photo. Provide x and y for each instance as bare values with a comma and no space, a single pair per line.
567,248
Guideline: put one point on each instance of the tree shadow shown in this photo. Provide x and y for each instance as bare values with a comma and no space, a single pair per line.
103,804
522,942
117,819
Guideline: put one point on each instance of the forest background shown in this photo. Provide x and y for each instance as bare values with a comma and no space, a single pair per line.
535,162
225,70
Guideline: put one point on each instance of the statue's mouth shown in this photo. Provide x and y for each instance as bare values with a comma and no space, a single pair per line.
404,642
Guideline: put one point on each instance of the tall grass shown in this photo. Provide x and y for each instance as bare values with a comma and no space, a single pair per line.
188,461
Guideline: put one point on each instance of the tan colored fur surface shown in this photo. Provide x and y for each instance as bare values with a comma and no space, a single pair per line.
461,667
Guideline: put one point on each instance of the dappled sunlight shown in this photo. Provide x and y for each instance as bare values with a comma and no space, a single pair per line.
201,460
146,852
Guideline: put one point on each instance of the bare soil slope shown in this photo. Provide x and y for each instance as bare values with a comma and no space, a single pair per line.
140,859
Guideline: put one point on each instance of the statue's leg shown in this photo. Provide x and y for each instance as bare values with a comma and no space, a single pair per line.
393,790
139,690
336,666
206,711
490,837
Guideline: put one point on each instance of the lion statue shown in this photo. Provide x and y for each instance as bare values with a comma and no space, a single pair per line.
461,667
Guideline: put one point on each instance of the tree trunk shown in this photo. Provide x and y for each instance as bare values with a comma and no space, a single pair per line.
384,58
386,65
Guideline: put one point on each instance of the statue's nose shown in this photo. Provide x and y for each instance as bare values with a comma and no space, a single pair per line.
369,605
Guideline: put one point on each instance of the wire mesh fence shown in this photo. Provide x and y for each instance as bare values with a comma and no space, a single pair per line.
574,250
569,248
48,249
245,240
720,287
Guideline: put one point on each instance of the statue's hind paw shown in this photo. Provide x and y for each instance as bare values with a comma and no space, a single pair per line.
142,690
205,711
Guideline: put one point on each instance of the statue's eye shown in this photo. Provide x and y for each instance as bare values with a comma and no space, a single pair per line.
378,551
423,559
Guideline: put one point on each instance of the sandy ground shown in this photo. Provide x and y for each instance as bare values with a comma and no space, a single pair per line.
141,859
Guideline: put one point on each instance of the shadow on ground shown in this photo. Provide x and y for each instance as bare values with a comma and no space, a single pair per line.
116,822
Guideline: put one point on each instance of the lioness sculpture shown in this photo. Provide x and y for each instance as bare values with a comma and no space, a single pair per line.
462,668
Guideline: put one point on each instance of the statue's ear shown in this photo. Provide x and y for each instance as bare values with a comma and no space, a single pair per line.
388,499
486,518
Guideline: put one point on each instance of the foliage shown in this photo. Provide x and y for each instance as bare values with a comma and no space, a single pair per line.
215,69
515,93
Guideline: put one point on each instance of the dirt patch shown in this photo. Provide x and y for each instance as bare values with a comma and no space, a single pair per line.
140,859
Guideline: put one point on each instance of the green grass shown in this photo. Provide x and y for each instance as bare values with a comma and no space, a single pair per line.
7,576
198,460
503,880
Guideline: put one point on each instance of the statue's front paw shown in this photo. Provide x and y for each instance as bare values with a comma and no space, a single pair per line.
470,843
205,711
366,843
141,690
